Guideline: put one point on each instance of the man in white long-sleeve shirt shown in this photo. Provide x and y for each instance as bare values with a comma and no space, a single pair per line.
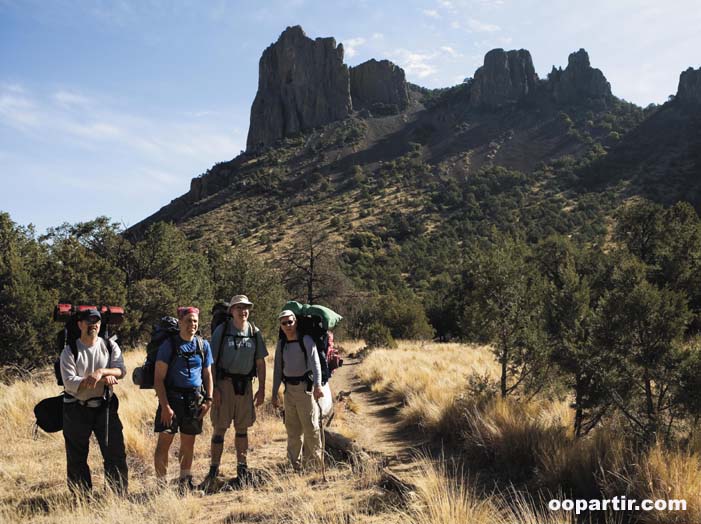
89,370
297,366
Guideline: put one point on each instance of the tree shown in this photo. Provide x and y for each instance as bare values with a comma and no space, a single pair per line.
502,304
234,271
642,325
311,272
570,301
25,304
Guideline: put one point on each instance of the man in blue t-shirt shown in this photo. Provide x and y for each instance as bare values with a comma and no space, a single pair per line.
183,382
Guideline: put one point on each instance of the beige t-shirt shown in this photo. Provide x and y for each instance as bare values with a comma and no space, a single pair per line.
89,359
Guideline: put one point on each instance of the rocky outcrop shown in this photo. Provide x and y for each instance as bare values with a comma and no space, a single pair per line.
689,90
505,77
579,81
302,83
379,86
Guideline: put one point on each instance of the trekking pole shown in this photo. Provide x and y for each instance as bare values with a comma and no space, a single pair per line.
107,417
323,442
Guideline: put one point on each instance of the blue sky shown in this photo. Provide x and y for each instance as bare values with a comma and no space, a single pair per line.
111,107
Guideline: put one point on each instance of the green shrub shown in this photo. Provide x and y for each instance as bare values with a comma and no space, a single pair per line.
378,335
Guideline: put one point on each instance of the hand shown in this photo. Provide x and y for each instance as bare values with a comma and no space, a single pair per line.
206,406
109,380
275,401
167,415
317,392
260,397
216,398
93,378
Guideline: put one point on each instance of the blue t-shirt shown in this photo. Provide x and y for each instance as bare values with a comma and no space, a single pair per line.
185,370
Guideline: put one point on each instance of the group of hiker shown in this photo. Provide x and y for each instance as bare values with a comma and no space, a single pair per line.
191,378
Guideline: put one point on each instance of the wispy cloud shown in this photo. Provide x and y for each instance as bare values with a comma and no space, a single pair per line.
351,45
89,122
431,13
415,63
68,99
450,51
481,27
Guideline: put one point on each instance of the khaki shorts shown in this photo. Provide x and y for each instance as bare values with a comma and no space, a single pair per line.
234,408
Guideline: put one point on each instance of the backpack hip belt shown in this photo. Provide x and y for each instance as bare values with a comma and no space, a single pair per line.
95,402
295,381
239,382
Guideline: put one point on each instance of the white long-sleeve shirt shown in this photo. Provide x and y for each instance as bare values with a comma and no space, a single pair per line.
90,358
295,364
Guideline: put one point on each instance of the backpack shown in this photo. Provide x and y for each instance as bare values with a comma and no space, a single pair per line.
49,414
333,357
220,314
317,321
165,328
313,326
70,334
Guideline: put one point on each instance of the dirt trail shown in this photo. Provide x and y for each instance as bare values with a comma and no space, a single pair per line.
373,421
363,416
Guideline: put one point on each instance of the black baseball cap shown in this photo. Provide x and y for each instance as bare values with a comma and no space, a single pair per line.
88,313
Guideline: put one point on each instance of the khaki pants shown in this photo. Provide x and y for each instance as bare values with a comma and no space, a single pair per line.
302,419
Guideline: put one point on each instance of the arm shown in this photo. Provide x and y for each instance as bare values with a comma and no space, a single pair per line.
313,359
159,376
208,389
277,373
214,348
260,368
107,375
72,382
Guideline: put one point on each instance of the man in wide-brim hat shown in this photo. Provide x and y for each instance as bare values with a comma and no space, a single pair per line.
239,355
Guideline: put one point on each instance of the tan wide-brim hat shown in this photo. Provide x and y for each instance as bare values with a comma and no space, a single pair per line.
240,299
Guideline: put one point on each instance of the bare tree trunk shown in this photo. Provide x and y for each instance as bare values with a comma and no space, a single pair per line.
578,414
504,360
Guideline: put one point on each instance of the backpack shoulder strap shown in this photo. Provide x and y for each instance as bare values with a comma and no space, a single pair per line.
200,347
174,348
304,349
254,335
109,345
224,325
73,344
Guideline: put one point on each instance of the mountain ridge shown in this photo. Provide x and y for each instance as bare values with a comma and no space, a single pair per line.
505,116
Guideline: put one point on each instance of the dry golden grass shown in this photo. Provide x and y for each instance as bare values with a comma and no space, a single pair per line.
528,442
429,382
443,499
425,378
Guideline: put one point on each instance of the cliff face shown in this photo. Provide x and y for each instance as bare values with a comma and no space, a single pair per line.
302,83
579,81
505,77
379,85
689,90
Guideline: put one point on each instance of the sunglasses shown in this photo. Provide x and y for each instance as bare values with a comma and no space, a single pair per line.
287,322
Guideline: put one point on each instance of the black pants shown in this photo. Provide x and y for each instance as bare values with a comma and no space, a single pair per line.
79,422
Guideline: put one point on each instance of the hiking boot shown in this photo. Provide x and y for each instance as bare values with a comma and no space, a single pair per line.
185,485
243,474
208,485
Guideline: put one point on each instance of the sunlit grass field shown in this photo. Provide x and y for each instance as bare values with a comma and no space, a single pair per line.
430,384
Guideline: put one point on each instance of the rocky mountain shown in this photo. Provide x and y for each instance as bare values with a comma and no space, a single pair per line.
505,77
347,150
302,84
379,86
689,91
